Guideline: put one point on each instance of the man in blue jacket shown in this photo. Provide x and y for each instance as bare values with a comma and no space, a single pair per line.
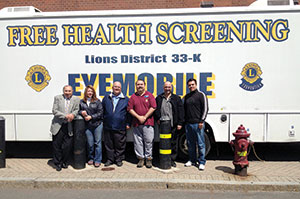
115,124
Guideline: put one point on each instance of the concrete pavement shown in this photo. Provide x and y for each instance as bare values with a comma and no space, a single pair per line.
218,175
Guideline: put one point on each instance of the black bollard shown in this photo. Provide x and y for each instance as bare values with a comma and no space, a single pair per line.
165,145
2,142
79,144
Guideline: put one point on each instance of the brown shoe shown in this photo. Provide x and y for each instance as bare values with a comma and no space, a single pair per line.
141,163
149,163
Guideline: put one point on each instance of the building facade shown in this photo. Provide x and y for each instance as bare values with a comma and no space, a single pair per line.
74,5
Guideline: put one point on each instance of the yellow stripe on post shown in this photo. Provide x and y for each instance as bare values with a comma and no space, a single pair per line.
165,152
242,154
165,136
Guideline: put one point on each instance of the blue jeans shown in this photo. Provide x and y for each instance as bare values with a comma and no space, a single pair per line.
94,139
195,136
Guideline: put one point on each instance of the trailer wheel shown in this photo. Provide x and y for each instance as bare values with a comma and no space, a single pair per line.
183,148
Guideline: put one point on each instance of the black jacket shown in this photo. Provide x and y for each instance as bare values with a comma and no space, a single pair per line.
95,110
177,109
195,107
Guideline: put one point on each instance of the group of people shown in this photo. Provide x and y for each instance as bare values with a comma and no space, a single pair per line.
117,113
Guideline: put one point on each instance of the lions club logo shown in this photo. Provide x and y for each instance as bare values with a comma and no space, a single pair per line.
37,77
251,80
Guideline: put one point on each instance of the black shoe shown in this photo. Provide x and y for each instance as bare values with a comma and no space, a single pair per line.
119,164
108,163
64,165
173,164
58,167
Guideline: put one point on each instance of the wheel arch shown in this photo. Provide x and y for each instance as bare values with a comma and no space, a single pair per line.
210,133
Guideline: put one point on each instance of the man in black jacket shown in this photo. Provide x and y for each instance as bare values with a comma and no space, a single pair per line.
170,112
196,108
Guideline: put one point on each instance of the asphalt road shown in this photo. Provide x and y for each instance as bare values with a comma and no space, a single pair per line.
136,194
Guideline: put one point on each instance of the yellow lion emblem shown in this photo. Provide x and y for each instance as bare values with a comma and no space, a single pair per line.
37,77
251,80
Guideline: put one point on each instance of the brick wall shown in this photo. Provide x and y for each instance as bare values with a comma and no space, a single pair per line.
68,5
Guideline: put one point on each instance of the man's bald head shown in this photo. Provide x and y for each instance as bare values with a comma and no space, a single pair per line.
117,88
167,88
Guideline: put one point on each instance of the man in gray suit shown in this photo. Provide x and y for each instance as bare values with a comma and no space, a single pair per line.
65,109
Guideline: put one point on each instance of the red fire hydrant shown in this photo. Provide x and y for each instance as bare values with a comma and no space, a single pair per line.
241,152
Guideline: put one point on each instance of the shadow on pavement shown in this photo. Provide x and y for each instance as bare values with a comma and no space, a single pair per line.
225,169
219,151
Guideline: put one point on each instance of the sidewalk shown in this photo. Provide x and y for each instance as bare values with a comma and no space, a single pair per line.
218,175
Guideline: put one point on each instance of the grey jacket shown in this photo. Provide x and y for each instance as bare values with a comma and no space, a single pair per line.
58,111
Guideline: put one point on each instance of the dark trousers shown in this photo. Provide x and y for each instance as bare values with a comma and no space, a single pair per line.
174,143
115,143
62,145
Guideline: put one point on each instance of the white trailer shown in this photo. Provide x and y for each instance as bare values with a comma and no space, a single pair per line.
244,58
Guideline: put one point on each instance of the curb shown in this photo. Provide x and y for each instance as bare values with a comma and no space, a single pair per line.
41,183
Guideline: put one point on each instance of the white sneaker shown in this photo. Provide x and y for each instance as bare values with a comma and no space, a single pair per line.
188,164
201,167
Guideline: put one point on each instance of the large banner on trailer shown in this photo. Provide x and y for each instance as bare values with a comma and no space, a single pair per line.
228,54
